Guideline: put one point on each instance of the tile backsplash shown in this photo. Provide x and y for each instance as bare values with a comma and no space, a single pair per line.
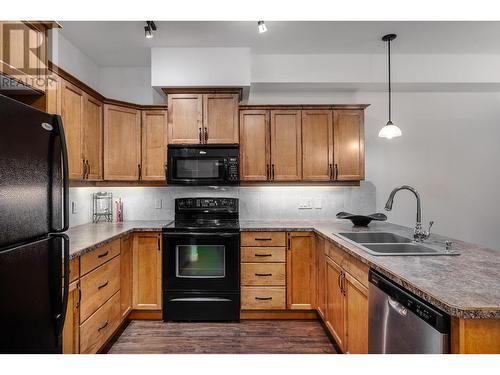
259,202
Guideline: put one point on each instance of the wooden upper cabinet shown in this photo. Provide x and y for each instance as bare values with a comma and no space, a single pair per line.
147,271
185,118
154,144
255,156
286,145
349,145
92,137
72,103
356,316
122,143
317,145
220,118
301,271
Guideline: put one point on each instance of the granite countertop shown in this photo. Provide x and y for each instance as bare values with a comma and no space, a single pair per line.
465,285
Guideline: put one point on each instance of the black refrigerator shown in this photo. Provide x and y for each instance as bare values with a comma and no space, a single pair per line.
34,253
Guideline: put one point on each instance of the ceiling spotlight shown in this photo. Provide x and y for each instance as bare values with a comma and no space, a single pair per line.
149,28
262,27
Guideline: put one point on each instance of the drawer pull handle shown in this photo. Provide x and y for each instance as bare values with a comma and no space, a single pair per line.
103,255
103,285
263,274
103,326
263,239
263,255
263,298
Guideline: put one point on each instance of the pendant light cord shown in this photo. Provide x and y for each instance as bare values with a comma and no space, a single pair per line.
389,65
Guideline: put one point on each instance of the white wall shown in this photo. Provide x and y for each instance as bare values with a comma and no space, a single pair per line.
130,84
65,55
210,67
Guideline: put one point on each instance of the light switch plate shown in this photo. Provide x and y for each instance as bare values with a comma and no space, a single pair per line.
158,203
305,203
73,208
317,203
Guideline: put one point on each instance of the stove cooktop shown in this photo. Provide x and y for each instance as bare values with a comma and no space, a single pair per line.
202,224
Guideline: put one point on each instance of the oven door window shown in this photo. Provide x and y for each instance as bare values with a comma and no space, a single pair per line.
193,168
200,261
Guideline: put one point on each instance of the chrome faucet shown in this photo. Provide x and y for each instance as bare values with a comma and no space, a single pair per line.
419,235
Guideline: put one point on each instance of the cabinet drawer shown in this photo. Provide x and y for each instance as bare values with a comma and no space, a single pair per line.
357,269
95,258
263,239
263,254
100,326
263,274
335,253
98,286
263,298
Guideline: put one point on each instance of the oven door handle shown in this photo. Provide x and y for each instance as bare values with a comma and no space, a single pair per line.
198,234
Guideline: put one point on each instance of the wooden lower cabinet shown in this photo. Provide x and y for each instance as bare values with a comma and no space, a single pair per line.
335,302
346,313
356,316
301,271
320,277
147,271
71,329
99,327
126,276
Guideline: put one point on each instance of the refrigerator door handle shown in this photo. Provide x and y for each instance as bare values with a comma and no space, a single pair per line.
60,316
65,173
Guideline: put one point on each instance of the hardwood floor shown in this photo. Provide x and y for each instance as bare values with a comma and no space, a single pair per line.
246,337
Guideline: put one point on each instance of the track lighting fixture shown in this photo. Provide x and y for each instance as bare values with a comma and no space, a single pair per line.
149,28
262,27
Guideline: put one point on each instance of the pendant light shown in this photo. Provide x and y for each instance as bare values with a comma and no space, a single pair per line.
390,130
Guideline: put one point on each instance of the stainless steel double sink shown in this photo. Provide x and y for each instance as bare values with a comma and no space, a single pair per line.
385,243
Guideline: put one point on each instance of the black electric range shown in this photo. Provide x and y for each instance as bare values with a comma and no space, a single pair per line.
201,261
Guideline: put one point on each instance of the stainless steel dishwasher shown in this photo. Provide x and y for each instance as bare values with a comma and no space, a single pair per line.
401,323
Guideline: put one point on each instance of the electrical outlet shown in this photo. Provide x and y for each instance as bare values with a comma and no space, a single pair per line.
317,203
305,203
73,208
158,203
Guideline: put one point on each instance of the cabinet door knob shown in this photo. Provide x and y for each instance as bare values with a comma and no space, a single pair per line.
330,171
199,135
336,171
206,135
139,168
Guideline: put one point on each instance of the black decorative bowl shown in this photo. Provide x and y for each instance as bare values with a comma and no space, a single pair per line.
361,220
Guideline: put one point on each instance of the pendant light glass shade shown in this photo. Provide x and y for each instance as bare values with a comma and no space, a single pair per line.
389,131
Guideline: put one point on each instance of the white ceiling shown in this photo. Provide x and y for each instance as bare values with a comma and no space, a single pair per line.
122,43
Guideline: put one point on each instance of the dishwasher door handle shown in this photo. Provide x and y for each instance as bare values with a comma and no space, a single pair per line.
400,309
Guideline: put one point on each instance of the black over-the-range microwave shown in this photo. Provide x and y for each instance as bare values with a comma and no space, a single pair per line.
209,164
